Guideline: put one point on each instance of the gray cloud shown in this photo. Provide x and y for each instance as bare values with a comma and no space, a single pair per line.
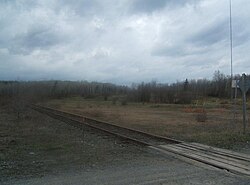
149,6
121,41
82,7
36,38
211,34
173,51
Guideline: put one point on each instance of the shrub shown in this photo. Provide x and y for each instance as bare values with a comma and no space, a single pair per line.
114,100
124,102
201,116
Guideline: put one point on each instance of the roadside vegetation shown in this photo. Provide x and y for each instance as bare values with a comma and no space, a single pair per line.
191,110
211,123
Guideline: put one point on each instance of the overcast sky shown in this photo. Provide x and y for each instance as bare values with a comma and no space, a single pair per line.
121,41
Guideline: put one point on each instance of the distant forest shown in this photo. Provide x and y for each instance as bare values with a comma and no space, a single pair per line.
175,93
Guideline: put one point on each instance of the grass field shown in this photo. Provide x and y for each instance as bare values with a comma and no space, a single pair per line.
217,126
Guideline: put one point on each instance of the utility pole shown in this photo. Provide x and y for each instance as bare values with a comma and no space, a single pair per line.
233,93
231,47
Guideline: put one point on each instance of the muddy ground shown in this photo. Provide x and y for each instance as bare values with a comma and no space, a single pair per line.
36,149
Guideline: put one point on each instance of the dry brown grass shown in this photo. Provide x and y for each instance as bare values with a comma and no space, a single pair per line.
177,121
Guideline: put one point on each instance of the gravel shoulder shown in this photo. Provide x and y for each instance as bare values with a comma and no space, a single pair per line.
40,150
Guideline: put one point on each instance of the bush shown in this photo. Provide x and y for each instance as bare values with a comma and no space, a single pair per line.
184,98
114,100
201,116
124,102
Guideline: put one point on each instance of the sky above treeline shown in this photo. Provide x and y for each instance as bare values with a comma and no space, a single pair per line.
122,41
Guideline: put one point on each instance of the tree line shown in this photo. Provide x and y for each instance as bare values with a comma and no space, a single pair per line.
182,92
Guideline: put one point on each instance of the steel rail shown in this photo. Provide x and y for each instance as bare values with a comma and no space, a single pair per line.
227,160
90,121
80,124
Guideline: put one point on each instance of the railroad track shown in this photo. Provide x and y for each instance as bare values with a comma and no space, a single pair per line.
223,159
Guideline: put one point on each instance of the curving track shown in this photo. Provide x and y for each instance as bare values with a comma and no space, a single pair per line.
220,158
